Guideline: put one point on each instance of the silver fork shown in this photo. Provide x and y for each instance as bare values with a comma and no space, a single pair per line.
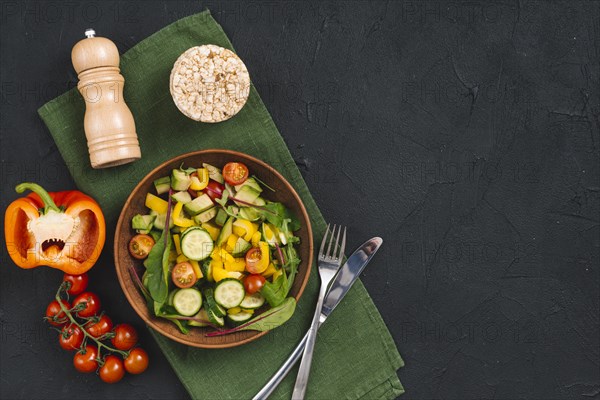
329,264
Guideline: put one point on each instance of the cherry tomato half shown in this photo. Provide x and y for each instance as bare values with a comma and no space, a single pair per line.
253,283
253,257
55,315
183,275
235,173
112,370
137,361
92,304
214,190
100,327
78,283
125,337
70,338
86,362
140,246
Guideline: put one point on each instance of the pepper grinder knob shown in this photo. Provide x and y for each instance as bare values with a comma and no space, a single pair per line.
108,123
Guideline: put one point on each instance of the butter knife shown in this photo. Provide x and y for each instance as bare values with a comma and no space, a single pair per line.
343,281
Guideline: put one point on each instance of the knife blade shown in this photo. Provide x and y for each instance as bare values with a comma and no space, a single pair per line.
343,281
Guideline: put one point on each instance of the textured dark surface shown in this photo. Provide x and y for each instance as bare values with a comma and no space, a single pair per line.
465,134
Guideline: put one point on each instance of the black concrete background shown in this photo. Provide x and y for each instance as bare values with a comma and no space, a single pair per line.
466,134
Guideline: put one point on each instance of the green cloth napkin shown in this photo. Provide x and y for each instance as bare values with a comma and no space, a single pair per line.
355,356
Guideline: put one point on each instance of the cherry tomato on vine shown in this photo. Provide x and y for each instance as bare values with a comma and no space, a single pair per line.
86,362
235,173
55,315
183,275
214,189
125,337
112,370
100,327
253,257
137,361
140,246
78,283
70,338
92,304
253,283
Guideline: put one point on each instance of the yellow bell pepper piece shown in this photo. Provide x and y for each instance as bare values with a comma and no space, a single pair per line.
157,204
212,230
248,310
181,258
269,271
276,275
256,238
216,264
177,241
178,219
201,181
238,265
234,310
244,228
219,274
197,269
231,241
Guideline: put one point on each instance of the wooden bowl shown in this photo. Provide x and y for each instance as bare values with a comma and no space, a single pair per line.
284,193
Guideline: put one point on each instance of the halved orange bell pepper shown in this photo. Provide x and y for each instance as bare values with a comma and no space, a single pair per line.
63,230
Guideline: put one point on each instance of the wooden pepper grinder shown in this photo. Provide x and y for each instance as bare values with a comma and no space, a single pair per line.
108,123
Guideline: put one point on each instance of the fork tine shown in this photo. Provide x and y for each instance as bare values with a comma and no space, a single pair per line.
343,246
321,254
331,241
337,241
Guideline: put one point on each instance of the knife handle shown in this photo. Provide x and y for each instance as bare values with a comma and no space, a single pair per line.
282,372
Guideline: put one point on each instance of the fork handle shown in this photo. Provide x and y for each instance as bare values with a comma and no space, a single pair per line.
304,371
282,372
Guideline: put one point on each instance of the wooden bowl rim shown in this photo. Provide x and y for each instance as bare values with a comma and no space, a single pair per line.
151,321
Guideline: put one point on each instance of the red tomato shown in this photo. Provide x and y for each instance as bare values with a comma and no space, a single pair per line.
183,275
125,337
92,304
71,337
137,361
78,283
253,257
253,283
99,328
214,189
140,246
235,173
112,370
55,315
86,362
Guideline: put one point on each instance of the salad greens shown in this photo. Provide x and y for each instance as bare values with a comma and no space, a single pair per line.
222,253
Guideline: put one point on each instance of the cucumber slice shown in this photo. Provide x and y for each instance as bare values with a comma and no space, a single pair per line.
249,213
259,202
203,316
229,293
142,223
250,182
225,232
214,319
171,296
221,217
180,180
252,301
207,270
239,318
199,204
246,194
160,220
187,302
162,185
205,216
214,173
196,243
182,197
212,305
